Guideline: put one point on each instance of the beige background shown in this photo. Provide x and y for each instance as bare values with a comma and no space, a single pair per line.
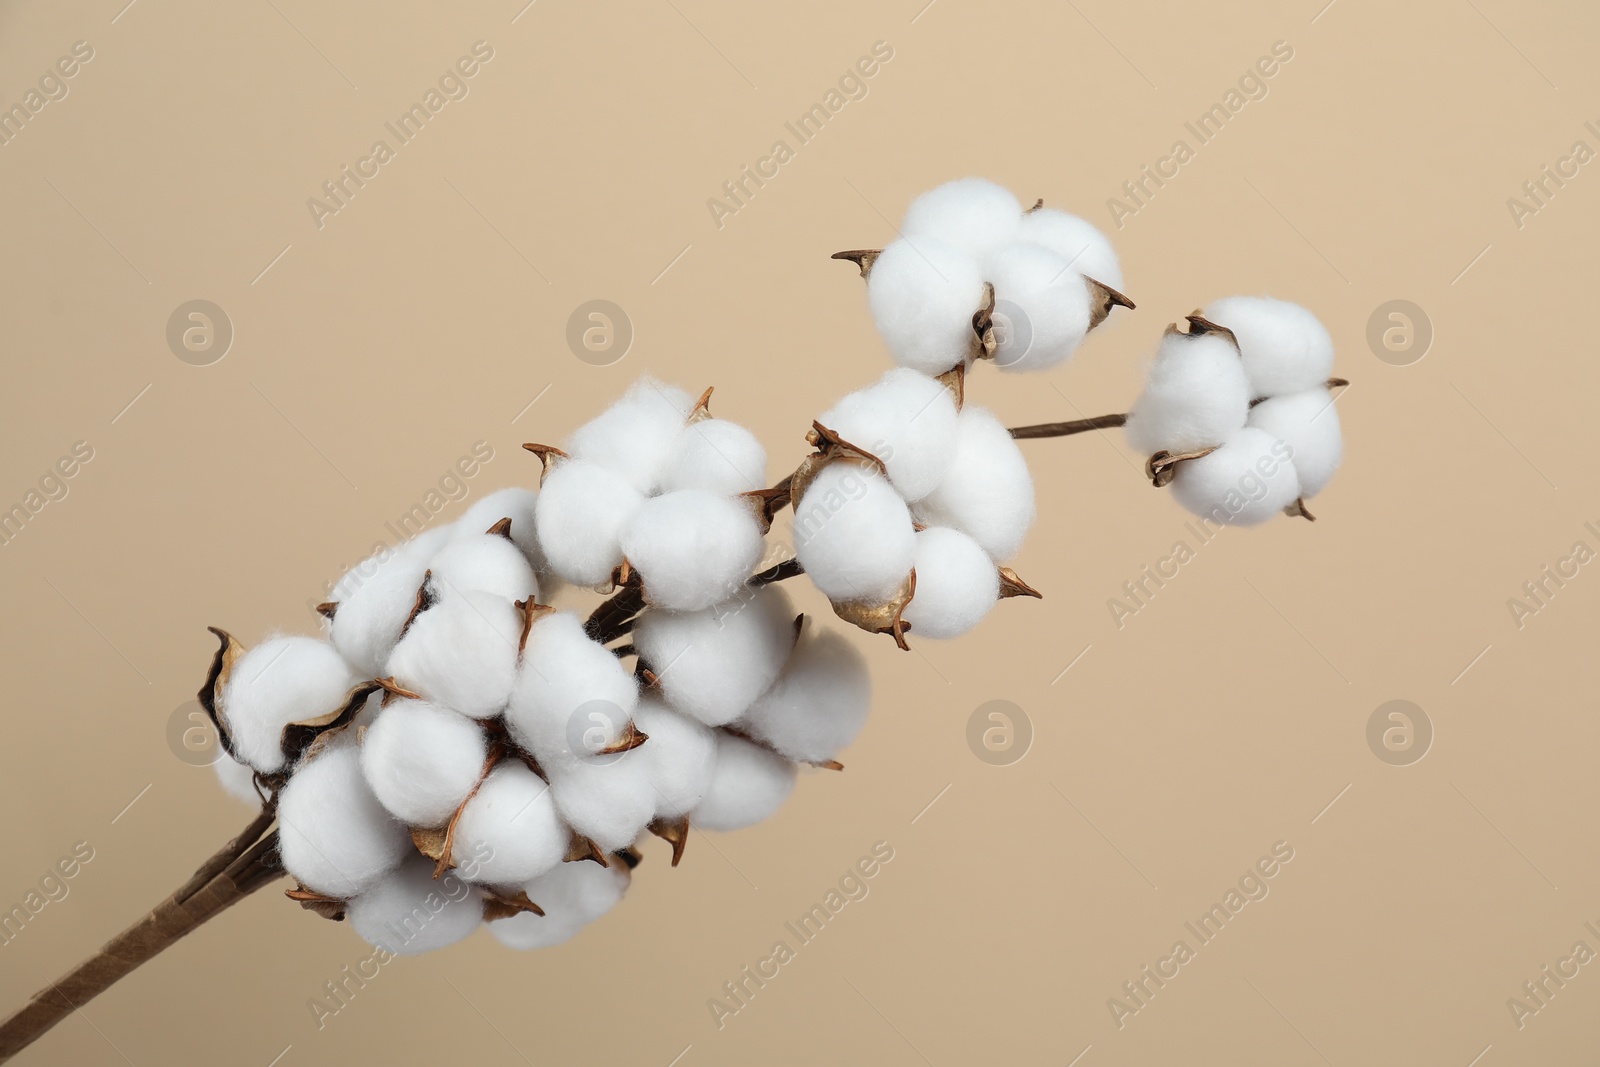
1223,718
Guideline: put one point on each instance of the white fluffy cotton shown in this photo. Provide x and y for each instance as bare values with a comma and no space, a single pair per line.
1284,347
334,835
1247,481
631,438
907,420
711,664
461,652
509,831
1196,395
514,503
818,704
1042,307
422,760
717,455
581,511
375,598
923,294
572,896
971,215
957,584
609,799
748,784
281,681
409,912
853,533
237,779
1084,248
692,548
678,757
1309,423
987,493
484,563
568,689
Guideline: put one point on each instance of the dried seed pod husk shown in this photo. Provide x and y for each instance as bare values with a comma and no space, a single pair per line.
501,528
831,448
582,848
985,343
505,905
674,832
702,408
547,454
1199,324
327,609
955,380
320,903
228,652
1162,467
1011,585
1102,298
1298,508
631,737
532,612
882,618
863,258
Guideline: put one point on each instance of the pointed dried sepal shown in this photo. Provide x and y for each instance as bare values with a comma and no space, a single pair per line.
1299,508
327,609
1200,325
425,600
623,575
431,841
1037,204
1336,383
831,448
320,903
825,765
438,843
1162,467
547,455
884,618
501,529
1102,298
1011,585
582,848
674,832
504,906
298,737
955,380
393,690
863,258
632,737
532,612
985,341
649,677
768,502
702,407
228,652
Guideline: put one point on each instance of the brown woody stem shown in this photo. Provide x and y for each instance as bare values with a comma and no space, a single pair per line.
242,866
1067,429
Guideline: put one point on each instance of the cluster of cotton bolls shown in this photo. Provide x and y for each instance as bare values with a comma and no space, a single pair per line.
455,752
1238,414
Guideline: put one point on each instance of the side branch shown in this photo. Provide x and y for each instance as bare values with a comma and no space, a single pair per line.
1066,429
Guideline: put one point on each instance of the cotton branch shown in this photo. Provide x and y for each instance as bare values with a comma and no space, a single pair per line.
1067,429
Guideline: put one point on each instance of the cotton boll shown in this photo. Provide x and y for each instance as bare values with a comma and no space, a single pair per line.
907,420
486,563
422,760
957,584
631,438
1309,423
608,800
376,597
748,784
692,548
1196,395
509,831
1084,248
237,780
281,681
462,652
529,931
818,704
678,757
853,534
988,492
717,455
973,215
1041,309
581,511
1246,481
514,503
572,696
572,896
334,835
711,664
1284,347
923,295
409,912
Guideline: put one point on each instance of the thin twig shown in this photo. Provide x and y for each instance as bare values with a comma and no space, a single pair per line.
1066,429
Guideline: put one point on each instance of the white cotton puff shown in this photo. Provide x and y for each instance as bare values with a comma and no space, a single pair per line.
692,548
422,760
957,584
853,533
514,503
568,688
906,419
461,652
818,704
631,437
711,664
334,836
678,757
1196,395
237,780
1309,423
1041,312
972,215
1084,248
1284,347
988,492
748,784
572,896
715,454
1246,481
375,598
409,912
581,512
485,563
509,831
608,799
923,295
281,681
